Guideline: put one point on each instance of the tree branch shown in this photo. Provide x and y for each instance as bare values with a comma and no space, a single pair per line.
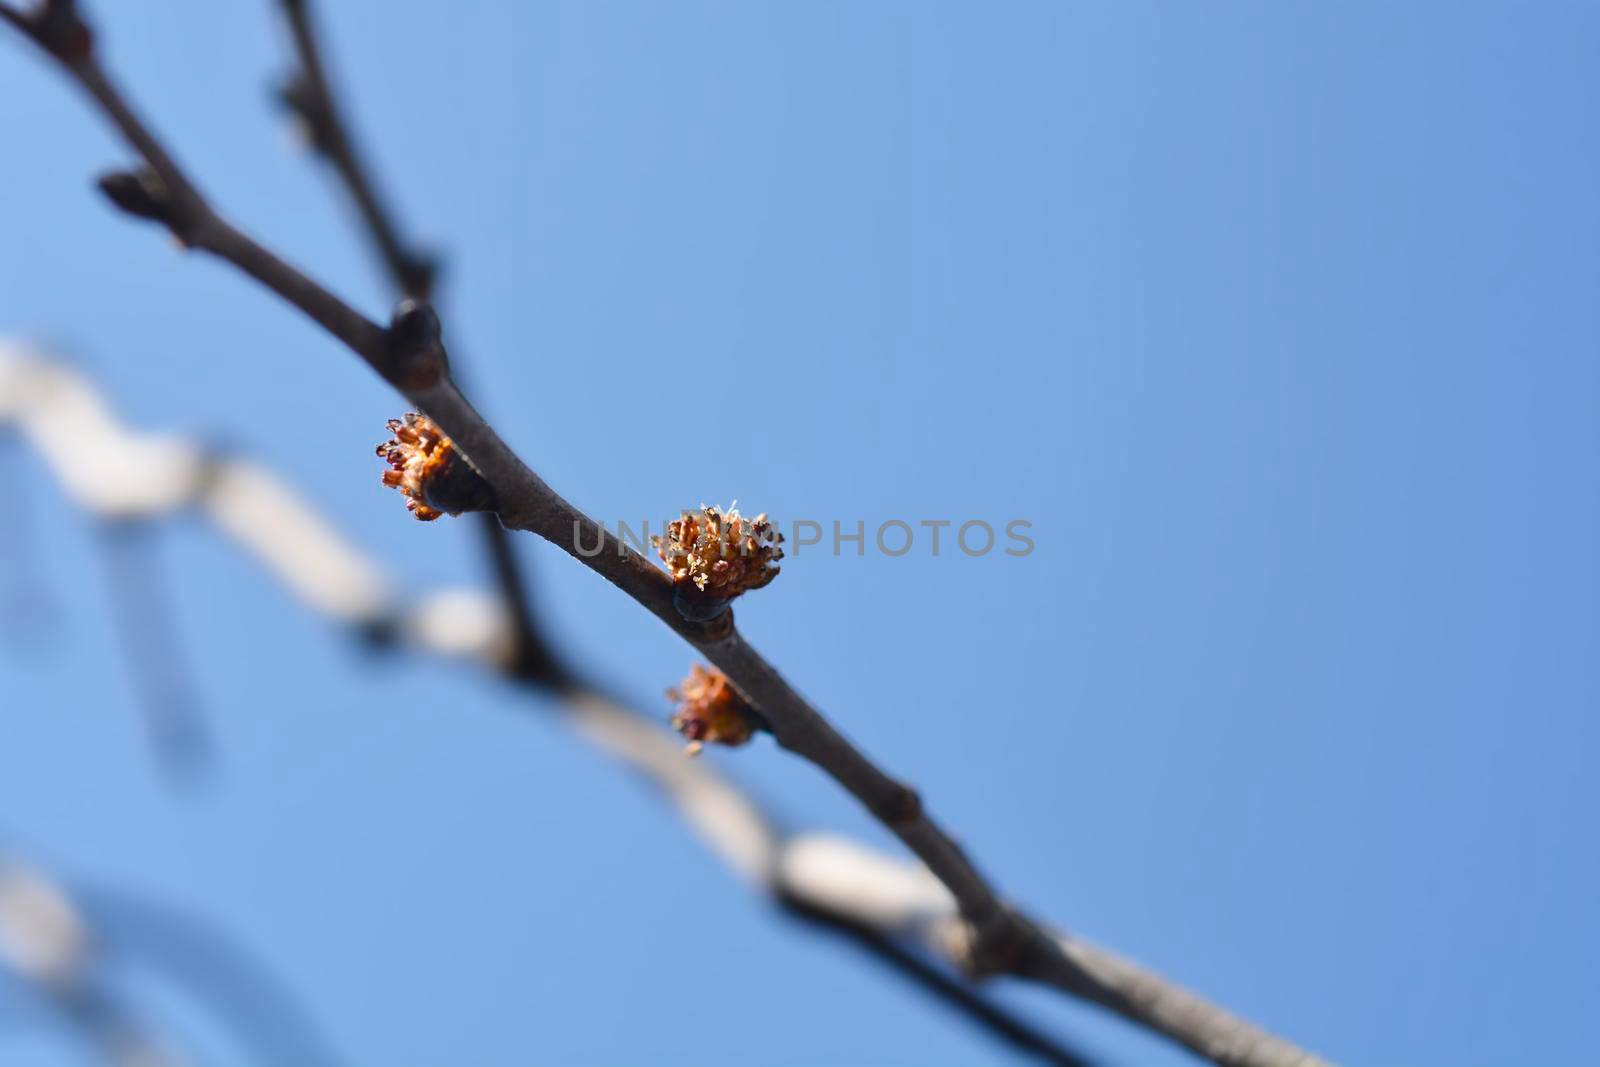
412,273
309,95
45,942
880,904
71,945
411,356
144,622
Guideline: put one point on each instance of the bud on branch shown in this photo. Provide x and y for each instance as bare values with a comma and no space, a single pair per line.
715,557
710,710
427,467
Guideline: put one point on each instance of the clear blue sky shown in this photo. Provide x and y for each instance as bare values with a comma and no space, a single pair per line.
1277,320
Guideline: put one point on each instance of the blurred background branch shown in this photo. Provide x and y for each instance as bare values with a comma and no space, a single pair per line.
72,947
45,944
411,273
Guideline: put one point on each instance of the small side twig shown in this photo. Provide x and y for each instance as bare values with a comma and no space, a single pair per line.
145,623
45,942
70,944
308,94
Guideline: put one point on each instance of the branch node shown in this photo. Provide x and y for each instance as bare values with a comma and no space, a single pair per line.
139,192
300,98
696,606
900,806
416,271
712,631
56,27
416,360
990,947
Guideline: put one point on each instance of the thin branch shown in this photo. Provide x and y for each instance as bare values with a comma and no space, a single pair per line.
412,273
411,356
29,613
16,19
868,897
162,191
960,996
46,942
221,976
70,944
309,94
312,99
146,625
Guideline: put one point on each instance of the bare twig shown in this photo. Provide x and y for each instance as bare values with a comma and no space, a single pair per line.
412,273
145,624
308,93
67,944
44,941
411,356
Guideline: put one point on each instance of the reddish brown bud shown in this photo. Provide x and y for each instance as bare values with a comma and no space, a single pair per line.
714,557
710,710
426,466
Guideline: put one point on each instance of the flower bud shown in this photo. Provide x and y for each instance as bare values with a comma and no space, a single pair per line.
430,471
710,710
714,557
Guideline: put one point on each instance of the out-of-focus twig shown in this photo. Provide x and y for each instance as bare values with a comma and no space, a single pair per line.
308,93
69,943
45,942
412,273
142,935
147,627
28,612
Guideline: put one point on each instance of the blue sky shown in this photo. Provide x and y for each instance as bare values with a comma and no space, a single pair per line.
1276,320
